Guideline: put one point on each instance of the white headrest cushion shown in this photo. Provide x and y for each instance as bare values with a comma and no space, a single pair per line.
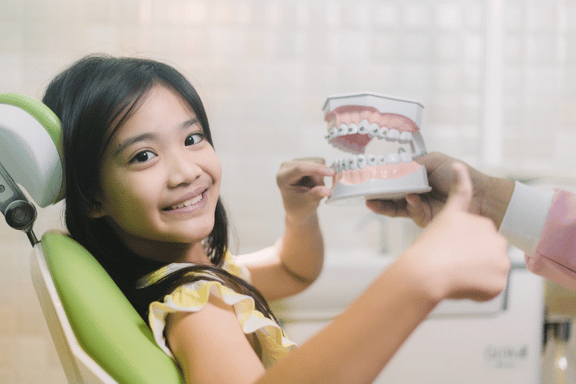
29,155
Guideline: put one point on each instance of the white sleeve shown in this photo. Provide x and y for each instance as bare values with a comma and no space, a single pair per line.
525,216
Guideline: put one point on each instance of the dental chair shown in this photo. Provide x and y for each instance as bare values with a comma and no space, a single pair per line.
99,336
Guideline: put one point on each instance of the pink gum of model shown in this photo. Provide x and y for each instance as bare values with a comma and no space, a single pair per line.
355,119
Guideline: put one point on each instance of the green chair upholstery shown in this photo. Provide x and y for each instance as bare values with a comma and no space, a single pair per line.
105,324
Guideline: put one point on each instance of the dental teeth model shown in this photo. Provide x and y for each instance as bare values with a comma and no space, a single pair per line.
353,121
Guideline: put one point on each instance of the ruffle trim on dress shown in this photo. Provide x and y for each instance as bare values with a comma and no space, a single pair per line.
193,296
229,264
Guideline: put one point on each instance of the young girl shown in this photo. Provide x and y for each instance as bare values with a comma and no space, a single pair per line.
142,195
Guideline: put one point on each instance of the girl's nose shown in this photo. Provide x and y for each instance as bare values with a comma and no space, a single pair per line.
182,170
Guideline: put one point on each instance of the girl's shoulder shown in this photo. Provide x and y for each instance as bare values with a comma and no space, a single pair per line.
229,264
194,296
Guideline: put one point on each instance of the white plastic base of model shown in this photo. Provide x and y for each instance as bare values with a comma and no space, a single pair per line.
391,189
78,366
29,155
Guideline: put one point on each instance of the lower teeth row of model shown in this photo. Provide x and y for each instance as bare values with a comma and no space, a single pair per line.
352,163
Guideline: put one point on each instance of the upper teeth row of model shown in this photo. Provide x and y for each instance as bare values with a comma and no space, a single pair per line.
352,163
372,130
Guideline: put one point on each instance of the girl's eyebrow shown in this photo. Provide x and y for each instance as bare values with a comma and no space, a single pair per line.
148,136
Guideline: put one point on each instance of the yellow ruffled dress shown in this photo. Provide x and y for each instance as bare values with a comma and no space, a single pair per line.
192,297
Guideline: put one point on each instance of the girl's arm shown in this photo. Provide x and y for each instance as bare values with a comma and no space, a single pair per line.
295,261
459,255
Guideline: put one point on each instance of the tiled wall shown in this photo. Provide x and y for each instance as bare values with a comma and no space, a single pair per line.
264,69
540,85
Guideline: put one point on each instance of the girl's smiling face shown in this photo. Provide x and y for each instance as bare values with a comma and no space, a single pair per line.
160,179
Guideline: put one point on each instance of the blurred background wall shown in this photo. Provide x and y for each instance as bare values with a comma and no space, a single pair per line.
497,79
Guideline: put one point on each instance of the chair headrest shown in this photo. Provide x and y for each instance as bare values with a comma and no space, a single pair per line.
30,147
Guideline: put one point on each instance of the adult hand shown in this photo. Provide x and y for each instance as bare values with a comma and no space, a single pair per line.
490,195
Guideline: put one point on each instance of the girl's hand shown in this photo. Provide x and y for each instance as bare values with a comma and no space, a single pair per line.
423,208
301,183
460,254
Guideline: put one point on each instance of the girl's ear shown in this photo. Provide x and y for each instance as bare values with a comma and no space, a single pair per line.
96,211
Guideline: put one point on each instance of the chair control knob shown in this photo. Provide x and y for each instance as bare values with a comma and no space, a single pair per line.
20,215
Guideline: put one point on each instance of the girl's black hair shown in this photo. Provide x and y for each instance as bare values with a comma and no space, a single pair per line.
93,98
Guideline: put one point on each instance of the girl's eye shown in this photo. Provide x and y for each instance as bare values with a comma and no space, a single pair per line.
142,157
194,138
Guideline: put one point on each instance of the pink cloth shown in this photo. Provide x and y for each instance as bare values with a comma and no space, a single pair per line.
555,255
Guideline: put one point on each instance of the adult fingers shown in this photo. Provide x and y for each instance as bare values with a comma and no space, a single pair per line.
460,194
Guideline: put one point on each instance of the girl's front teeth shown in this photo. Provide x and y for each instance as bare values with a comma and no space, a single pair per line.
187,203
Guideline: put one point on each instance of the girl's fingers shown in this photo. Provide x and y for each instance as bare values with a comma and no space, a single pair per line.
304,173
321,192
306,182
